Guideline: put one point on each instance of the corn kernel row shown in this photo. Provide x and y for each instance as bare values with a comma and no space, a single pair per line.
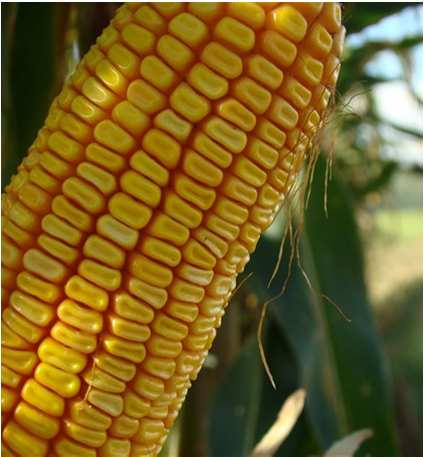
212,170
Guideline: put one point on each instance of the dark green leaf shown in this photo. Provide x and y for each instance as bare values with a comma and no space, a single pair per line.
341,364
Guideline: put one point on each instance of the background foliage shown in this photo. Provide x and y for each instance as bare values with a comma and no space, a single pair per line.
363,373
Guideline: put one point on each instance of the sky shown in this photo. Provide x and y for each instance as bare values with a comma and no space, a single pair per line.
394,101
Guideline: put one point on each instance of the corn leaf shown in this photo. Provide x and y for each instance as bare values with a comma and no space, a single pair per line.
348,445
234,411
286,419
33,74
340,364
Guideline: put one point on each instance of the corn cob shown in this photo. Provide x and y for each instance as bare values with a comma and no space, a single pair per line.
166,155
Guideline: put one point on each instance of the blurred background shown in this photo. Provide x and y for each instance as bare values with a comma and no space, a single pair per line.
364,253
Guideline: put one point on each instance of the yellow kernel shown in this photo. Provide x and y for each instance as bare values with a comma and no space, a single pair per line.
150,271
319,41
157,73
129,211
101,179
22,442
130,118
22,326
264,71
61,229
83,194
159,250
83,291
42,179
253,95
239,191
9,338
85,319
201,169
11,255
40,424
218,58
188,29
162,147
331,17
116,231
207,82
169,9
166,228
152,295
201,196
60,356
181,211
75,339
250,13
169,328
149,167
283,114
135,406
109,36
85,414
175,53
129,307
57,249
224,133
104,277
124,60
186,292
65,384
280,50
129,350
111,404
115,366
22,362
145,97
65,147
99,94
150,431
288,21
170,122
92,438
141,188
55,166
270,133
100,249
147,386
211,150
163,347
9,377
34,310
308,69
234,33
214,243
43,290
63,208
64,447
309,10
150,19
233,111
86,110
161,368
138,39
189,104
230,211
207,11
114,137
93,56
127,329
262,154
111,77
198,255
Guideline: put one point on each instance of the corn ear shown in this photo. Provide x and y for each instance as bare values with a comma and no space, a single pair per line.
165,156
